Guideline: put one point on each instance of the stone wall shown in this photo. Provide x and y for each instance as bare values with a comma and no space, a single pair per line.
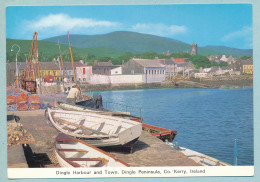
115,79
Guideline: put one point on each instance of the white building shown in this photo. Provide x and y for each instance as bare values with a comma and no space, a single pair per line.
83,73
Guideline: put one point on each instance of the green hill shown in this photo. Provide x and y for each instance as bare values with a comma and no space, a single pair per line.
48,50
112,45
229,50
140,43
125,41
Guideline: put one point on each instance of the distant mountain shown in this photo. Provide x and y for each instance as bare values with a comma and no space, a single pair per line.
139,43
125,41
230,51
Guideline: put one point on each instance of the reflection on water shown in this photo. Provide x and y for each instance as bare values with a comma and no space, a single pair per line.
207,120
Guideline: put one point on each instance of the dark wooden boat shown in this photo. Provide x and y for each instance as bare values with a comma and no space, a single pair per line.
161,133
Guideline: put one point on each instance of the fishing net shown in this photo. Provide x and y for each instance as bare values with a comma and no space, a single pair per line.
22,107
10,99
34,107
34,99
22,99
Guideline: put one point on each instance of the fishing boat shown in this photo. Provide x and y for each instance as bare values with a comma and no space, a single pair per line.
71,152
73,107
161,133
95,129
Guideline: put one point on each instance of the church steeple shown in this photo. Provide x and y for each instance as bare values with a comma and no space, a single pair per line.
194,47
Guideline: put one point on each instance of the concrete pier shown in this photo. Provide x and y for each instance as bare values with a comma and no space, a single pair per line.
148,151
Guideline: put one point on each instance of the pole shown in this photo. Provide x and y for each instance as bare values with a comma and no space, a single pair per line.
75,79
235,152
31,54
63,73
35,57
16,70
39,73
16,66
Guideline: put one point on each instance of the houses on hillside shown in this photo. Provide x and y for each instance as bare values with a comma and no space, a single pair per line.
133,71
222,58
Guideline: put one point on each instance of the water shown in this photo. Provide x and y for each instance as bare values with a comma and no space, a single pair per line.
207,120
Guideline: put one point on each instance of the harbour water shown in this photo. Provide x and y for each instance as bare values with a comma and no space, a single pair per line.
207,120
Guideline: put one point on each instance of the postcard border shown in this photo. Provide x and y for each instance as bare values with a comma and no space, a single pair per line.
256,93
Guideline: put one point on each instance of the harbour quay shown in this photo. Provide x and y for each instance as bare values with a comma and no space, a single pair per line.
147,151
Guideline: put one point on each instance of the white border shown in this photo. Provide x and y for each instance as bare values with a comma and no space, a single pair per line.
256,47
111,172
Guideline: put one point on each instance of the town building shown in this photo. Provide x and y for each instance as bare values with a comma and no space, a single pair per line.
181,67
174,66
247,66
105,68
11,70
222,58
152,70
179,60
170,67
69,69
83,73
244,66
46,68
50,68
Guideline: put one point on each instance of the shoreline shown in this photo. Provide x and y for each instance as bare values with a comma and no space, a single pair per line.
225,82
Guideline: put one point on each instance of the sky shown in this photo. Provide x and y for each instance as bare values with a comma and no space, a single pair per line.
209,24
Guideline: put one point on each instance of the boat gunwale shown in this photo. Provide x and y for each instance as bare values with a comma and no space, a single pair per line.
68,139
76,135
90,110
117,119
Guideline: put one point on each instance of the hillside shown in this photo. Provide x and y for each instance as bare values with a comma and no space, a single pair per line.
50,49
229,50
139,43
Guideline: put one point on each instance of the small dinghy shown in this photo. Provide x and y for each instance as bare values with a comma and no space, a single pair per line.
71,152
95,129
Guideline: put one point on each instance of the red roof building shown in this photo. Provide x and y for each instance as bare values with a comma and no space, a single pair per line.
179,60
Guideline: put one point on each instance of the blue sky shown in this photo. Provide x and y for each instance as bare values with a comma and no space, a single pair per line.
209,24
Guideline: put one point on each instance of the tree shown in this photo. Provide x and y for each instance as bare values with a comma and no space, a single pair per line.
200,61
223,64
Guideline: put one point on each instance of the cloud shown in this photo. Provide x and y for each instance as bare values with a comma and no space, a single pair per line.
244,35
63,22
159,29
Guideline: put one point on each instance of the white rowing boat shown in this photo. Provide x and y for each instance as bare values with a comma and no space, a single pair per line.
71,152
95,129
72,107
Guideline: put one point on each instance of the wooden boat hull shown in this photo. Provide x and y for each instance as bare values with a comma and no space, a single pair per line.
71,107
95,129
71,152
161,133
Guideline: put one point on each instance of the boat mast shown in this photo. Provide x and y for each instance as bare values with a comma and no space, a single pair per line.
63,73
75,80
